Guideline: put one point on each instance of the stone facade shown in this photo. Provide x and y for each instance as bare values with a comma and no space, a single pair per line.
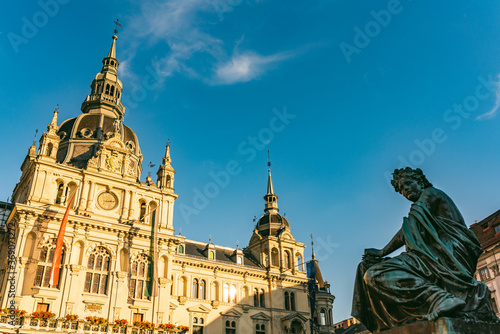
209,288
488,234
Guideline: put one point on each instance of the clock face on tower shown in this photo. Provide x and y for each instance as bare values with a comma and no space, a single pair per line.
107,200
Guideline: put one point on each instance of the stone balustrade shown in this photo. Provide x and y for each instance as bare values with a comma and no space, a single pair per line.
29,324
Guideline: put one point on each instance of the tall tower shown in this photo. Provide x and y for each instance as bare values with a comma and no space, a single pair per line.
106,89
272,242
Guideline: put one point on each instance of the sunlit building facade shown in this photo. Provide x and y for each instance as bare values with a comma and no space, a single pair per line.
105,261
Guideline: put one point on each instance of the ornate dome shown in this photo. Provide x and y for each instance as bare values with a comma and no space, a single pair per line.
80,137
271,223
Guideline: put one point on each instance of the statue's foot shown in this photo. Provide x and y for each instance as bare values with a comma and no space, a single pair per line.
447,306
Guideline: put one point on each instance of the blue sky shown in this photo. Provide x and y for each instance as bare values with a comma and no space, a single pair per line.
360,98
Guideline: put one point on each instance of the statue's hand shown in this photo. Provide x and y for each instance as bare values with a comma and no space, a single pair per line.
373,252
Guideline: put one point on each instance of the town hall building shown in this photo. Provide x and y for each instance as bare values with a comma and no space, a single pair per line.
261,289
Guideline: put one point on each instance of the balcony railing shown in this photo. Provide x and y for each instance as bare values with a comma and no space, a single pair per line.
73,326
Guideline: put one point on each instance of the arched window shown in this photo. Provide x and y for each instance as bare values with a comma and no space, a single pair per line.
262,298
230,327
180,249
225,293
169,179
143,210
287,300
42,275
107,89
202,294
195,288
182,287
70,189
211,255
50,146
286,257
292,301
138,277
260,329
98,266
112,91
60,188
322,317
232,293
275,257
299,262
255,297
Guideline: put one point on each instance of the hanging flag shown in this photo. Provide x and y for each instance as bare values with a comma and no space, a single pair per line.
56,260
152,280
311,285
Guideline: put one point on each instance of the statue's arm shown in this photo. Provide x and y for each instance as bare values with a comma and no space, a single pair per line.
396,242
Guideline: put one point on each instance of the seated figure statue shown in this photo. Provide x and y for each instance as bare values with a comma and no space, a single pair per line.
434,277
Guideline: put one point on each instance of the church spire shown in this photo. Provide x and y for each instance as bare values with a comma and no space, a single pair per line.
106,89
166,171
271,198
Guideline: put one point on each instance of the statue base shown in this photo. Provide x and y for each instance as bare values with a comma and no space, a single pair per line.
446,326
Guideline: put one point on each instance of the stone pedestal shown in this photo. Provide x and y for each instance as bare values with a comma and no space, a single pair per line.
446,326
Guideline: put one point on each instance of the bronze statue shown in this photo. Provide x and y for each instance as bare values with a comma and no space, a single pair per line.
434,277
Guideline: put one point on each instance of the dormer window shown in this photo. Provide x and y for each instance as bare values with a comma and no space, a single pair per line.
211,255
180,249
239,260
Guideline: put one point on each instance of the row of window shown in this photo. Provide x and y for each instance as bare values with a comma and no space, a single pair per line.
98,272
110,90
287,260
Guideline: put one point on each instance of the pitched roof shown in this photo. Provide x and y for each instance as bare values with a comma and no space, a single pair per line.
222,254
485,230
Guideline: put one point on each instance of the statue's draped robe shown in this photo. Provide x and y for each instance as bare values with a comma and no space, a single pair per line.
439,263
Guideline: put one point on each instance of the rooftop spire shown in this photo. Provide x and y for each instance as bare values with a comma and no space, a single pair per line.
106,89
112,50
271,198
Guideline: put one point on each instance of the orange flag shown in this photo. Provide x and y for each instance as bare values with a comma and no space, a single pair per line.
56,261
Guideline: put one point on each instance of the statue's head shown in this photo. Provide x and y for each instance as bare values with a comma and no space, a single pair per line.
410,182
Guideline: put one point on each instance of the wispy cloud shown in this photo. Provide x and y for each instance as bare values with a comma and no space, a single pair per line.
182,28
493,111
245,67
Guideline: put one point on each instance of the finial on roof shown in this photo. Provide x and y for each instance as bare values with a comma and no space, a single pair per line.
34,138
312,246
117,25
237,244
268,160
209,238
180,230
151,165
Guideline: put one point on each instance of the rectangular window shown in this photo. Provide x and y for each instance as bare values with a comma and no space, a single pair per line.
42,307
38,276
197,330
95,283
140,284
46,277
485,274
137,317
104,284
131,290
88,282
